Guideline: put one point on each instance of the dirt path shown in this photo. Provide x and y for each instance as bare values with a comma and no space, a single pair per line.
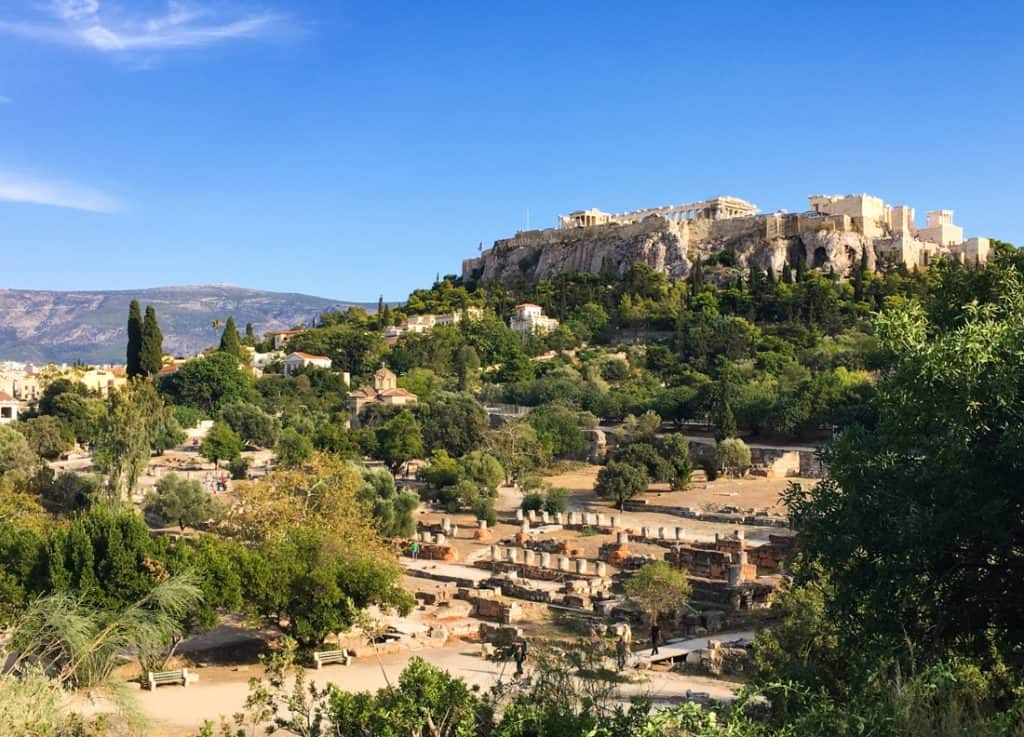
177,711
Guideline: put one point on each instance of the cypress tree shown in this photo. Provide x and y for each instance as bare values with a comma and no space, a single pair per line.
151,357
787,273
755,280
858,283
250,333
229,342
696,276
380,313
134,339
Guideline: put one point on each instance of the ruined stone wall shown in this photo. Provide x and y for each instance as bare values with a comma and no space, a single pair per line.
828,242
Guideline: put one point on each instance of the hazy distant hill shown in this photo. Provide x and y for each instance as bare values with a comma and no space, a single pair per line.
90,326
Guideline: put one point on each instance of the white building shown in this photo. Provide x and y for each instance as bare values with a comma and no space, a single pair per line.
530,318
8,408
294,361
940,229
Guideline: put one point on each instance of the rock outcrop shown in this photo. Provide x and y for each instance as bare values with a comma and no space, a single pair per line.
543,254
763,241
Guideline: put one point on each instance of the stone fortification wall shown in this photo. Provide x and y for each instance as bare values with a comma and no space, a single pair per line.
827,242
543,254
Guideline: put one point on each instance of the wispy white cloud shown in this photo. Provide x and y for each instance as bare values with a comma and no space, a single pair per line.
86,23
4,100
56,194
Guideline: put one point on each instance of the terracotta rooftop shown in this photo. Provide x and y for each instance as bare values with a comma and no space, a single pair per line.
5,397
397,392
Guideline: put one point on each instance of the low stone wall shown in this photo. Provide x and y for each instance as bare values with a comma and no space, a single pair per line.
756,519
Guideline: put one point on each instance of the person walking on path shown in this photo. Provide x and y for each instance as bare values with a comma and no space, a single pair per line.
415,550
520,657
655,636
621,650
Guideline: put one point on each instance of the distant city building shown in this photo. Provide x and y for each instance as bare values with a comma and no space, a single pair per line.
280,339
294,361
530,318
104,380
8,408
383,390
426,323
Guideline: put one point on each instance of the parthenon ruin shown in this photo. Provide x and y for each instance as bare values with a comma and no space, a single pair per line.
716,208
835,233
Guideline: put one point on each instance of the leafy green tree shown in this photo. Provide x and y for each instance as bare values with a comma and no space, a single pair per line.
47,436
208,383
230,343
426,701
313,588
399,440
675,448
125,440
645,455
220,444
105,553
561,428
453,422
392,510
353,349
658,588
722,417
180,500
70,492
733,455
442,471
133,365
252,423
151,355
422,382
620,481
483,509
483,469
517,448
914,525
15,452
166,432
467,368
293,448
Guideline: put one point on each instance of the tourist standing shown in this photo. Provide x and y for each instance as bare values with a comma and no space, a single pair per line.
621,650
520,657
655,636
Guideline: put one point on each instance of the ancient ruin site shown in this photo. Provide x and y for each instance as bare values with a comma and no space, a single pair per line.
837,233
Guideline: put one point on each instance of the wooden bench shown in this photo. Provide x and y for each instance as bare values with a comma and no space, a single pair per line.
159,678
330,656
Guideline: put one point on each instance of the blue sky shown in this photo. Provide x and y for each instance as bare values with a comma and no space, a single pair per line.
354,149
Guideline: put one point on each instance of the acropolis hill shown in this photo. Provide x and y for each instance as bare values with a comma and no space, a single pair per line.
834,234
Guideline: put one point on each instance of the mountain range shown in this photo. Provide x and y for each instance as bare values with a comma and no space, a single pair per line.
42,326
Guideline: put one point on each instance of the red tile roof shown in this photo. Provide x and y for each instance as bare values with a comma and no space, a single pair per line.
309,356
5,397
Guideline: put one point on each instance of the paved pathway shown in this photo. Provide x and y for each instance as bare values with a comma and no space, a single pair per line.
177,711
680,648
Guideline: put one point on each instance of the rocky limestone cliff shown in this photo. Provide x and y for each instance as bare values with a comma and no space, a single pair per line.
762,241
537,255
